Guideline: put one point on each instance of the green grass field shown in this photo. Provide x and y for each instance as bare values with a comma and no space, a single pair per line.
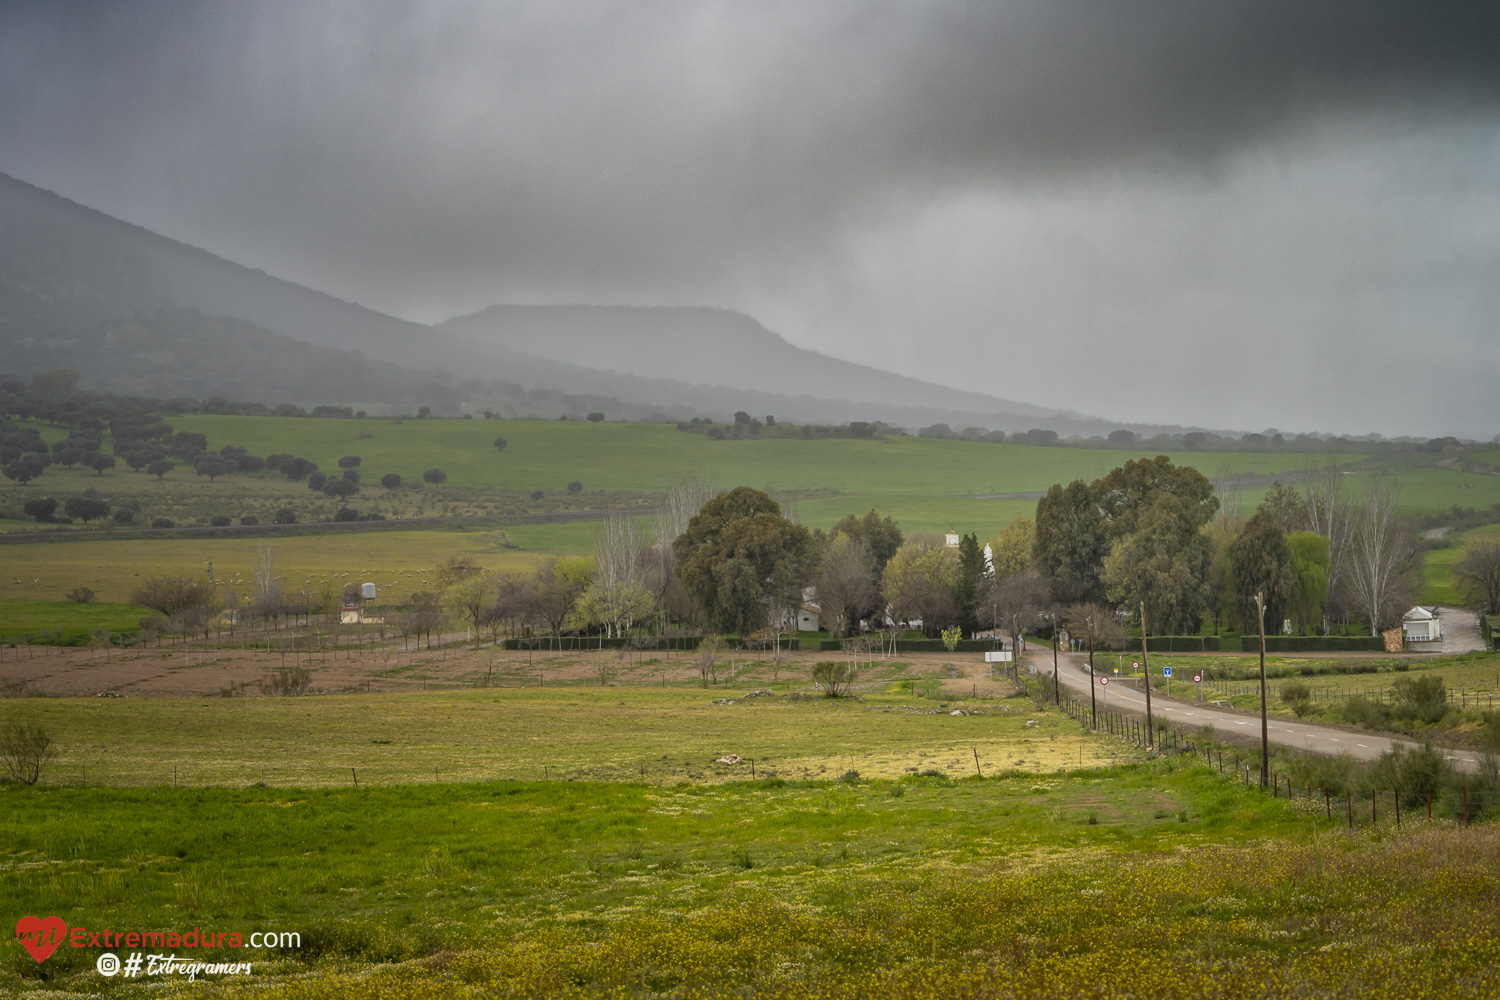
657,734
19,619
546,455
1438,586
396,560
1154,877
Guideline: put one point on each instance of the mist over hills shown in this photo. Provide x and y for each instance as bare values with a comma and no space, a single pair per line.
135,311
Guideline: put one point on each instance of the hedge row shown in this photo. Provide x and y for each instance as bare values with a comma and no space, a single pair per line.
1180,644
922,645
1314,643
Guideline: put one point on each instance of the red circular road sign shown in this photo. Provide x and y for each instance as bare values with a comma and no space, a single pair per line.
1197,678
1104,680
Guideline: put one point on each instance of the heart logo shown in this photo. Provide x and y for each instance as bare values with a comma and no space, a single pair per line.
41,937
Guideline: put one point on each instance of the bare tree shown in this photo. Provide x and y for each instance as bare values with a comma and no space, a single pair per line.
1227,488
1097,626
1015,602
25,750
684,499
266,581
1381,554
709,651
618,552
1479,573
845,582
1330,514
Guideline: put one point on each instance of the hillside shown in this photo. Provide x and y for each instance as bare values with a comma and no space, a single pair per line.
722,347
68,273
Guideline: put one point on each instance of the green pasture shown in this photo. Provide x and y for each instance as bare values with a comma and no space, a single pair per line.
547,455
1157,878
396,561
1438,586
657,734
19,619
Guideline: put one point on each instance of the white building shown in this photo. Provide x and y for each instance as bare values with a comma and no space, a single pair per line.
1422,625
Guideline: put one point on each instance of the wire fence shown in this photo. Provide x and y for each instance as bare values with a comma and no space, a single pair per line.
1352,800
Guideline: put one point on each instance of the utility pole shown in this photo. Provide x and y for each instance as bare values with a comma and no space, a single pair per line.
1093,700
1056,695
1146,675
1265,745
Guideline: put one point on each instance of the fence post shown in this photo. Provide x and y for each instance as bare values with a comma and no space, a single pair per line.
1328,803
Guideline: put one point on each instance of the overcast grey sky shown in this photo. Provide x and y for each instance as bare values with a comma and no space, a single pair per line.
1235,214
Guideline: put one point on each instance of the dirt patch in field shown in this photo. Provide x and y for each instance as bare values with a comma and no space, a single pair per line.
195,670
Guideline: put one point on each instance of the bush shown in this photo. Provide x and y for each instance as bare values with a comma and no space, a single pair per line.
25,750
1422,698
123,515
163,522
1181,644
834,677
249,519
435,476
391,480
285,516
220,521
80,595
317,480
575,488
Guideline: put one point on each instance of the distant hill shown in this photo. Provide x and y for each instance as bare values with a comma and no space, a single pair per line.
70,275
710,346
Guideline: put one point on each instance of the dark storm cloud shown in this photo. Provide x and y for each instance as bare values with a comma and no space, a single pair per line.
432,158
440,147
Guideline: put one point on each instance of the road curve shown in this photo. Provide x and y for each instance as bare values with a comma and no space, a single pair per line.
1125,697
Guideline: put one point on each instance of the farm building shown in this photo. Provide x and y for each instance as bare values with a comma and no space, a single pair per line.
1422,625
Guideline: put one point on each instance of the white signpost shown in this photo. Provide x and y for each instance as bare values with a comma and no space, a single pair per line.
1167,673
1198,680
1104,683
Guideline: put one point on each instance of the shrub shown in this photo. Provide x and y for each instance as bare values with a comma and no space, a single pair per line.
163,522
81,595
834,677
25,750
391,480
575,488
249,519
349,462
220,521
317,480
1422,698
500,444
123,515
435,476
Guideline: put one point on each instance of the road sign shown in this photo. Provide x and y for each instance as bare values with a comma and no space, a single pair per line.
1166,671
1135,664
1197,678
1104,680
997,656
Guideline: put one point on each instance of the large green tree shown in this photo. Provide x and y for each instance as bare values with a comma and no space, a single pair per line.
742,561
1261,561
1126,493
1310,572
881,534
1163,563
1070,543
970,577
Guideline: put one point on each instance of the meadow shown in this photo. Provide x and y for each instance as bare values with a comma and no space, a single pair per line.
1153,878
575,732
20,619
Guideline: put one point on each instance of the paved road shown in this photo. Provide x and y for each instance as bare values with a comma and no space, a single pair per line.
1125,697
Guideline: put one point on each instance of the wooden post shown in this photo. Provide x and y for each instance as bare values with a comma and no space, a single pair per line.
1146,675
976,763
752,770
355,775
1265,741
